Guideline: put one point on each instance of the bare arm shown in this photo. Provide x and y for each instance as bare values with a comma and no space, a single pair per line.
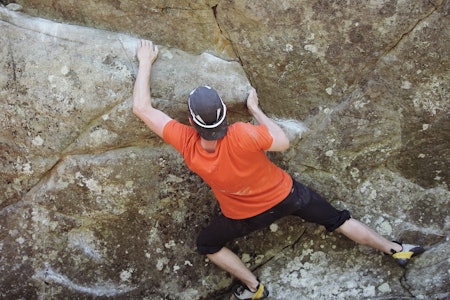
142,105
280,140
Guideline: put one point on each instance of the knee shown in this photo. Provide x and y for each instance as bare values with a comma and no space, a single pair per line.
205,246
340,220
201,248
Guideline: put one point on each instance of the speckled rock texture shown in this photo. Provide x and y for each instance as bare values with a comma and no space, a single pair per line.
95,206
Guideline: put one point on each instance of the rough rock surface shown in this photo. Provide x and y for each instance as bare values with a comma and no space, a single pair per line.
93,205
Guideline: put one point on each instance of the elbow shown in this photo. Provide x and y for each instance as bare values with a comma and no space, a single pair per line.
280,144
285,145
139,112
138,109
283,142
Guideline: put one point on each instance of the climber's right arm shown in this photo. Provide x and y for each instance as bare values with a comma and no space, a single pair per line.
142,105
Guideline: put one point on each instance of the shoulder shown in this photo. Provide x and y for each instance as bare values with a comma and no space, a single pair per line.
178,134
250,136
248,129
175,127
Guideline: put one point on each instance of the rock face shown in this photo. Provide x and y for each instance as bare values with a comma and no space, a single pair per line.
95,205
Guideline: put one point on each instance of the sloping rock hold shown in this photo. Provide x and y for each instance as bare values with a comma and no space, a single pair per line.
95,206
169,23
311,52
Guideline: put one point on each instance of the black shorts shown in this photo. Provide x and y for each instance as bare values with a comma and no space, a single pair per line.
301,201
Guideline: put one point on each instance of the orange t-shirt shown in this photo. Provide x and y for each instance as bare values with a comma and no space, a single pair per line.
243,179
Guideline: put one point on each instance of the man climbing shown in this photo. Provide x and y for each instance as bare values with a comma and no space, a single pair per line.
252,191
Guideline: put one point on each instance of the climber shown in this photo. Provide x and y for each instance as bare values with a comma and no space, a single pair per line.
252,191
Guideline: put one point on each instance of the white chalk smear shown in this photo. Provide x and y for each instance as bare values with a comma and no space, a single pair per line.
292,128
98,289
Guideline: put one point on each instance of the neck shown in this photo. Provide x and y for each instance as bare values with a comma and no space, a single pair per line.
209,146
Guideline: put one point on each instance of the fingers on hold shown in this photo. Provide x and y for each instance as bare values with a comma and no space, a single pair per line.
147,43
